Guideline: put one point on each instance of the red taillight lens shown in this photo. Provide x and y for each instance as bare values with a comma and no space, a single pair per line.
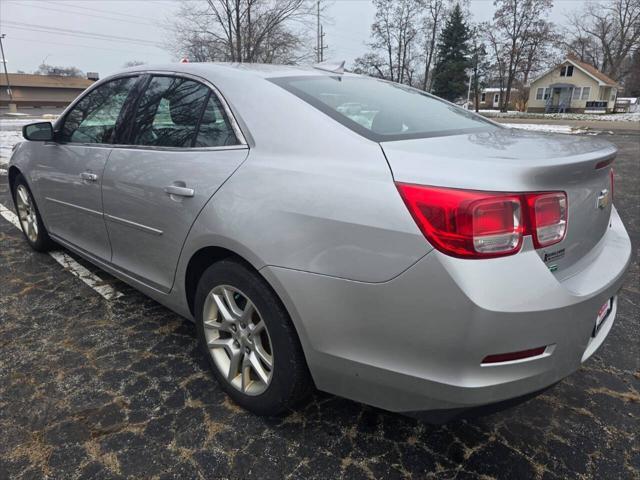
474,224
465,223
549,215
611,177
510,357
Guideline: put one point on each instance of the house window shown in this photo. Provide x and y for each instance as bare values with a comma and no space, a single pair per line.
566,71
483,97
576,93
546,93
539,93
585,93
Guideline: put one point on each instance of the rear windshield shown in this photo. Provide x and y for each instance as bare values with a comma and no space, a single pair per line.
383,111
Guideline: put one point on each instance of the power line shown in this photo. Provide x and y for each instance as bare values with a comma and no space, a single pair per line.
89,47
79,33
102,17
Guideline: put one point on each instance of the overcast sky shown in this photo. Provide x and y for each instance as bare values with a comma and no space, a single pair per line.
139,26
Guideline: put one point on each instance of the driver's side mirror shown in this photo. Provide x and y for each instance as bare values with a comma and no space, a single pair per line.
38,132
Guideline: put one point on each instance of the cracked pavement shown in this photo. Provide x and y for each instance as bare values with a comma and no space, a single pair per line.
96,388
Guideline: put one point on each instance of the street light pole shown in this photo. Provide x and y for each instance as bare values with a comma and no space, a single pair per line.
4,62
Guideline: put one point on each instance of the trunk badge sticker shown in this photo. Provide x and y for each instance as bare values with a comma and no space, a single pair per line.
553,256
604,198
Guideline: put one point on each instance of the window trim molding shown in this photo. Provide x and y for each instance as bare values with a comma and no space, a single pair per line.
242,145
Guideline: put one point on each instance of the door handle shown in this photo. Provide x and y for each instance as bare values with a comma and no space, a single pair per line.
179,191
89,177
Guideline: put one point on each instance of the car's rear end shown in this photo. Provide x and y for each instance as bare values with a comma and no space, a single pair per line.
520,287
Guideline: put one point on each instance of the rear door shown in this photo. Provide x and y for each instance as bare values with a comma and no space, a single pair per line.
69,171
183,146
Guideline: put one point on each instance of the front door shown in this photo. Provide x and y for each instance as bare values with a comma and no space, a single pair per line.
69,170
182,150
496,100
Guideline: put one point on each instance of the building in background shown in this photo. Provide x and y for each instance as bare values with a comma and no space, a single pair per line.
42,90
489,98
573,86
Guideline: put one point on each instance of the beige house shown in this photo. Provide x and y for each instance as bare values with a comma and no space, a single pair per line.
41,90
573,86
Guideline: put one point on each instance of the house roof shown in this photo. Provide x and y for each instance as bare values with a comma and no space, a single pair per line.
588,69
593,71
45,81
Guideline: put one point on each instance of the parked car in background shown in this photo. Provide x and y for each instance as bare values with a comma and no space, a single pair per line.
323,228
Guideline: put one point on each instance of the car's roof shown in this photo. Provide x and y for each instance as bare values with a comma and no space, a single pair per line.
241,69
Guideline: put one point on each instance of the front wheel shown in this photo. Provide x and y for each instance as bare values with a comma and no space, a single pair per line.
29,216
248,338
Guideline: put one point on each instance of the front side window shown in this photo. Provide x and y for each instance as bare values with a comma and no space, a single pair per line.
570,71
93,119
576,93
585,93
546,93
539,93
563,71
380,110
169,112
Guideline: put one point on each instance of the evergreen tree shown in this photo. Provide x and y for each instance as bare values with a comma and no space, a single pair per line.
450,77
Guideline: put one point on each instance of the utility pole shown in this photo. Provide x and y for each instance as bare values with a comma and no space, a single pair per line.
320,45
6,74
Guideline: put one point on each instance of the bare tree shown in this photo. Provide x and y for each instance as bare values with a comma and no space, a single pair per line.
265,31
516,22
394,45
45,69
132,63
606,35
436,12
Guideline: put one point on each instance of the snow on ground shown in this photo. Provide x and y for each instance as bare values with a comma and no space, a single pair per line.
541,127
610,117
11,133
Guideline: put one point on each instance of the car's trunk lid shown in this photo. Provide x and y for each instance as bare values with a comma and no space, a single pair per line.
511,160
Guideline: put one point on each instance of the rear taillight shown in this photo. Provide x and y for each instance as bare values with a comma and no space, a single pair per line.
474,224
549,215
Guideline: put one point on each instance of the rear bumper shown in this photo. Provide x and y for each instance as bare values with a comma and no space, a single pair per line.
416,343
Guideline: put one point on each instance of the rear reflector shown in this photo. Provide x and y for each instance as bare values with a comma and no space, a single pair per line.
509,357
476,224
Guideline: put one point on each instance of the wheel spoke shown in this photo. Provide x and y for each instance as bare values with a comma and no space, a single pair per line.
219,326
246,373
258,327
247,313
263,355
222,343
234,365
231,302
24,197
258,368
222,308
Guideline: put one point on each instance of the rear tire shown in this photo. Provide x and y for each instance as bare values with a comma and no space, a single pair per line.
249,340
31,222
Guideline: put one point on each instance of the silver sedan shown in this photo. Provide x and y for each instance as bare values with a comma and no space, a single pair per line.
331,230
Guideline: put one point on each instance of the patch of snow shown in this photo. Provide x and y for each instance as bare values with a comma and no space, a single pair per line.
541,127
609,117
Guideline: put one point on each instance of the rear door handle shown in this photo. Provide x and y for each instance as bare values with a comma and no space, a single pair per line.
179,191
89,177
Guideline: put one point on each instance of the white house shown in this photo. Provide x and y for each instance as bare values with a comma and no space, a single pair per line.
573,86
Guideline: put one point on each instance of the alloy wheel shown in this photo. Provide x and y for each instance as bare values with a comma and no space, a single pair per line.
238,340
27,213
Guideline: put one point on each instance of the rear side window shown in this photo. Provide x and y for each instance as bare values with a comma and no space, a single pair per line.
215,128
178,112
383,111
93,119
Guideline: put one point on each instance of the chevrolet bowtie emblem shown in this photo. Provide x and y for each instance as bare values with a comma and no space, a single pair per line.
604,199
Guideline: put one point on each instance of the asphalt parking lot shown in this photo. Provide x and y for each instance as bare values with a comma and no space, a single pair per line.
97,388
